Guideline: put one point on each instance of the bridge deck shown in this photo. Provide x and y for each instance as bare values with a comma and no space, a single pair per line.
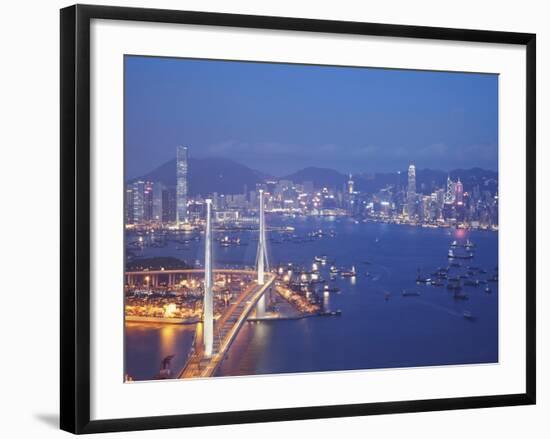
225,330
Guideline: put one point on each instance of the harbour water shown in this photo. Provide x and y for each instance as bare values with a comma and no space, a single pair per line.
379,326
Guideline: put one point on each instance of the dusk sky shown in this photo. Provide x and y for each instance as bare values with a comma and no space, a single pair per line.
279,118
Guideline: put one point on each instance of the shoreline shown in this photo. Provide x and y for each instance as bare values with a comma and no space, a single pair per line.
166,320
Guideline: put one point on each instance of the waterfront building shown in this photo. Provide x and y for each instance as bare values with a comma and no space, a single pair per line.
450,193
181,184
148,201
129,204
350,185
157,190
138,203
223,216
169,205
196,211
459,192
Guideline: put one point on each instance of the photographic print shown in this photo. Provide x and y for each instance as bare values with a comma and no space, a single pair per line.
291,218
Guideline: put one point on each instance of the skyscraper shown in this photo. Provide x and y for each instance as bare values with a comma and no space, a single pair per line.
450,194
138,203
158,188
129,204
459,192
181,184
350,185
411,191
169,205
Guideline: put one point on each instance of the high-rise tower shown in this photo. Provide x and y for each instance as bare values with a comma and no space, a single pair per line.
350,185
459,192
450,193
262,262
181,184
411,191
208,318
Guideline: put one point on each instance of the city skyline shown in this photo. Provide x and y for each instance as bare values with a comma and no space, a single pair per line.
375,120
151,202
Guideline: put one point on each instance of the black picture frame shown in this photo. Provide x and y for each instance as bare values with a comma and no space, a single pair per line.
75,217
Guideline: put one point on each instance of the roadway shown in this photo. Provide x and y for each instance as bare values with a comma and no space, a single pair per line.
226,329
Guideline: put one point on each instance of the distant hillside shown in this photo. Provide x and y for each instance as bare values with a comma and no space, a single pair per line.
226,176
209,175
426,179
321,177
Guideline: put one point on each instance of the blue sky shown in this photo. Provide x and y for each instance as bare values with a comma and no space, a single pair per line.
278,118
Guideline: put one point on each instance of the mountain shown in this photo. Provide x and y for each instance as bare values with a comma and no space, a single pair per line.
209,175
321,177
226,176
427,180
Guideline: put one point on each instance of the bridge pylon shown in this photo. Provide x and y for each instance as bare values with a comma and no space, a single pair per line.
208,317
262,262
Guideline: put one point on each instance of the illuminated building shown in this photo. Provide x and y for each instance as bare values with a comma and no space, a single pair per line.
411,191
169,205
459,192
138,203
350,185
129,204
181,184
157,202
450,193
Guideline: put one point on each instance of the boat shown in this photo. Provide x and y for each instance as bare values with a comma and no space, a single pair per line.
469,244
350,273
452,255
334,270
328,289
454,244
487,289
468,315
454,286
322,259
226,241
405,293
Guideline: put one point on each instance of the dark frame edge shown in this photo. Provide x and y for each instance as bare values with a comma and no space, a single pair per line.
75,214
67,418
304,413
75,218
531,217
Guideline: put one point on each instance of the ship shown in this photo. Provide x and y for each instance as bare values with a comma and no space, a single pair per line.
453,255
328,289
350,273
406,293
